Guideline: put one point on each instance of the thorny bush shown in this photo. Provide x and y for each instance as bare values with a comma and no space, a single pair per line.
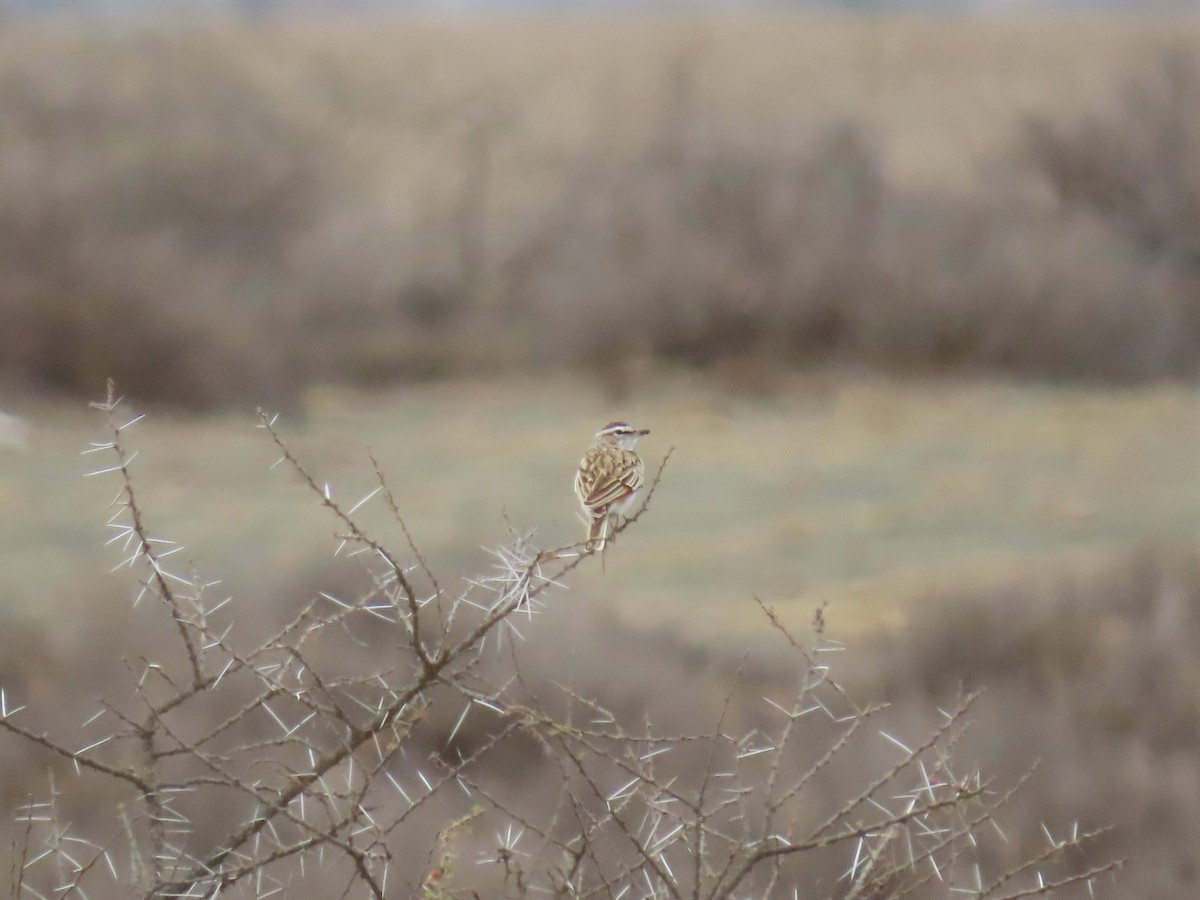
308,763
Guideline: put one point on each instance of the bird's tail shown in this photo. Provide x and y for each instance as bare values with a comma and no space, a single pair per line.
597,535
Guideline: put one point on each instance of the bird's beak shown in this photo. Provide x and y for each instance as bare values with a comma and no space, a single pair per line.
644,431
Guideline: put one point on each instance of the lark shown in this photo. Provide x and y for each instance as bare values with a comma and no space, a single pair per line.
608,480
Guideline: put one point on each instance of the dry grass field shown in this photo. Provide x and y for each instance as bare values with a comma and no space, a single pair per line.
865,493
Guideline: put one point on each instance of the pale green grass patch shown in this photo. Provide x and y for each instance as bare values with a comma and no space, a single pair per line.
866,494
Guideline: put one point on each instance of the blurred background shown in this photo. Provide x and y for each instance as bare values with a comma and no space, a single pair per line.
913,290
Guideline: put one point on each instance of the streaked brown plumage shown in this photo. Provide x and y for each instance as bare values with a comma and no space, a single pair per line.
608,480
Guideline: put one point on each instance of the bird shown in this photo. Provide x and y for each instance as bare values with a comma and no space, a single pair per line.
608,480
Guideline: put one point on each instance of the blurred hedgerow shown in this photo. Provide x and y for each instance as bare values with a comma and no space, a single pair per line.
1131,164
1130,167
397,744
170,201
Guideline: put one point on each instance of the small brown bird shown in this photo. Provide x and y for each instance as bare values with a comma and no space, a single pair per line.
608,480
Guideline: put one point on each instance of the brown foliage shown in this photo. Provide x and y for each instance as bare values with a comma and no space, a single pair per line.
179,215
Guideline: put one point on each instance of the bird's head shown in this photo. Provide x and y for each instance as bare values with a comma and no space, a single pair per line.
621,434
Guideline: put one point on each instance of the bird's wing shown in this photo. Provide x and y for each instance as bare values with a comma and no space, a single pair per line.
607,476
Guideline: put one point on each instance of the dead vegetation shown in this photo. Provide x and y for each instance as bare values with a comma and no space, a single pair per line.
409,741
255,214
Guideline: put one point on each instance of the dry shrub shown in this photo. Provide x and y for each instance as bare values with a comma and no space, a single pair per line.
725,249
1133,164
160,207
1099,676
144,179
417,738
715,244
179,217
1130,166
1006,285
